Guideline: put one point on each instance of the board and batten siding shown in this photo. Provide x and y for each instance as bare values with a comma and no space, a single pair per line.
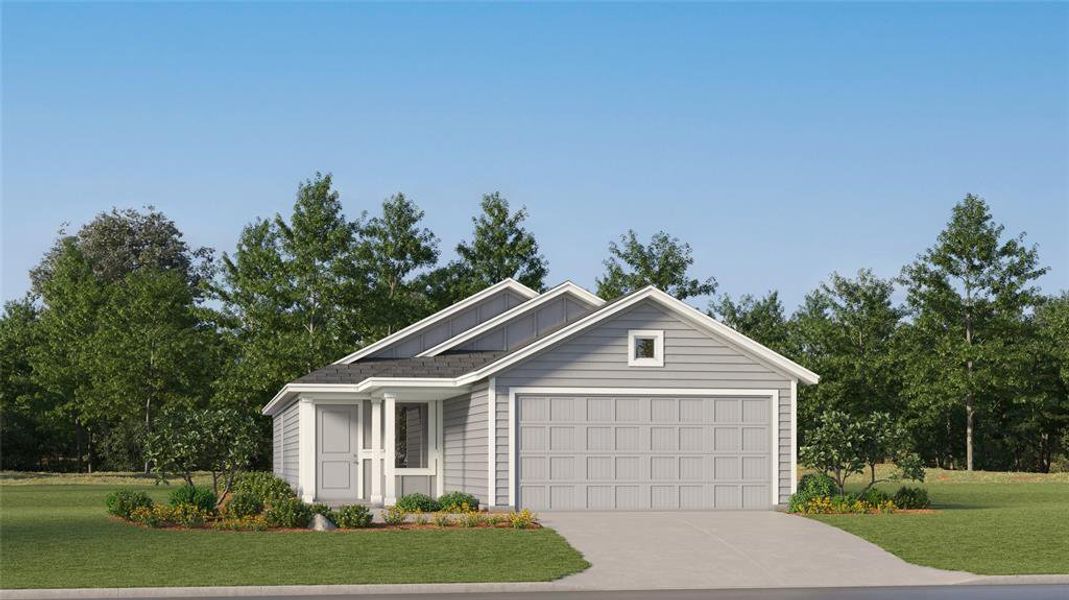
465,436
521,328
287,444
598,358
431,336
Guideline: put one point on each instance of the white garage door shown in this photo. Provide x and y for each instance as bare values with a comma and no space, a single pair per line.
580,452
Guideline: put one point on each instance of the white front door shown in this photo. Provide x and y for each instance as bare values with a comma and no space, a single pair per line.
336,452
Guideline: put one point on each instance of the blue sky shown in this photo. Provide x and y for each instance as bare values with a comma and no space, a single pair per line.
783,142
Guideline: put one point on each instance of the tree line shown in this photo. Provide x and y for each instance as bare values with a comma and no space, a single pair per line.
125,322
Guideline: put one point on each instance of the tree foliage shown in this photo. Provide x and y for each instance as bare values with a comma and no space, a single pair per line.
761,319
665,263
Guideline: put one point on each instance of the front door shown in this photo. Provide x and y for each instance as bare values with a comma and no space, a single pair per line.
336,452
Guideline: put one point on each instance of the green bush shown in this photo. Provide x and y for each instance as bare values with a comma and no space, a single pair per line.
395,515
243,505
201,497
417,501
188,515
263,486
321,509
455,501
875,497
152,516
354,516
912,498
122,503
290,513
249,523
817,484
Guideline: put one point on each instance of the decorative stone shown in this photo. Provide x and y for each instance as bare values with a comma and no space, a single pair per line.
321,523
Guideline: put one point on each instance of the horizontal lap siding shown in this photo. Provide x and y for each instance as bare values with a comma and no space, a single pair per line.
466,442
598,358
291,444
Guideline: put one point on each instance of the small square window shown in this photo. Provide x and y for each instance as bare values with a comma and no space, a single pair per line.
645,348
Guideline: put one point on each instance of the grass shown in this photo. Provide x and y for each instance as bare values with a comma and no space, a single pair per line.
57,535
984,523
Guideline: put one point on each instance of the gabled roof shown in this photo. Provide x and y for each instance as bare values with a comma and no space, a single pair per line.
445,313
759,352
556,292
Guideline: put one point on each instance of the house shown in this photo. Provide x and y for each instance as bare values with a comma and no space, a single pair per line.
551,401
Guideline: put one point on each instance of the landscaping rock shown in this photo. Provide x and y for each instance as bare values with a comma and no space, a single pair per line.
321,523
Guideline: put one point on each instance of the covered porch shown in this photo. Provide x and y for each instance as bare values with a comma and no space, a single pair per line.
369,446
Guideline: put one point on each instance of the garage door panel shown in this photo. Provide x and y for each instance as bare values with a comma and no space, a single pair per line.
643,453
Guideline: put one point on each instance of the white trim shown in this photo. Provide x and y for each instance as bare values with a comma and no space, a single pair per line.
533,303
439,480
361,454
491,458
772,394
359,390
779,362
775,447
389,447
794,436
633,336
510,284
376,451
307,444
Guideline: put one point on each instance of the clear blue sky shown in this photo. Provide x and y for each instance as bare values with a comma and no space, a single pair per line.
783,142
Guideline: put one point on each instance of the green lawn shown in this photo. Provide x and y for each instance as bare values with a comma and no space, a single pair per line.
57,534
984,523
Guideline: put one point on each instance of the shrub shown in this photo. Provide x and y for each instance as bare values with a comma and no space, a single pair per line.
847,504
321,509
248,523
417,501
290,513
354,516
242,505
420,517
455,501
152,516
912,498
817,484
471,518
442,519
495,519
200,497
188,515
875,497
522,519
395,515
122,503
264,486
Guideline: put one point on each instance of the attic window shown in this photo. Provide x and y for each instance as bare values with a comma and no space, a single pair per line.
645,348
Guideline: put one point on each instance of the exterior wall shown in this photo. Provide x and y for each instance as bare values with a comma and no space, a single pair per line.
287,445
598,358
522,328
425,339
466,439
410,484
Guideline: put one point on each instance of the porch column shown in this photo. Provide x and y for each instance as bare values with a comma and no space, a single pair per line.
306,467
390,448
376,451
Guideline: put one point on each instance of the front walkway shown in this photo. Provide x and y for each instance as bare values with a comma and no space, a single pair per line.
707,550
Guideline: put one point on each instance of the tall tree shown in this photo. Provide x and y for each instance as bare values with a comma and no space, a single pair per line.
845,330
966,296
761,319
1038,411
664,262
395,249
293,295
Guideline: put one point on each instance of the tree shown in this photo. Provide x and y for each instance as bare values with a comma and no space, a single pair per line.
663,263
394,249
966,296
845,330
884,439
501,247
761,319
1038,413
294,296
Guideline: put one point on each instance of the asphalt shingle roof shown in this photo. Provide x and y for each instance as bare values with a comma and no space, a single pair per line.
443,365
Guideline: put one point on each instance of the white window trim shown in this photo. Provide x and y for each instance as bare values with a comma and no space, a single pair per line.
658,347
432,441
772,394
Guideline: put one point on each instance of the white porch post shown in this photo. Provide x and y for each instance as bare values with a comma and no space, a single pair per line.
306,467
376,451
390,448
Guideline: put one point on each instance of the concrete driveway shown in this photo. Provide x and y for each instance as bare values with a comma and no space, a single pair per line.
687,550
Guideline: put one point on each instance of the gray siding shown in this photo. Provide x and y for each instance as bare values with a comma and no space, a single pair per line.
466,435
521,328
431,336
598,358
290,438
276,444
